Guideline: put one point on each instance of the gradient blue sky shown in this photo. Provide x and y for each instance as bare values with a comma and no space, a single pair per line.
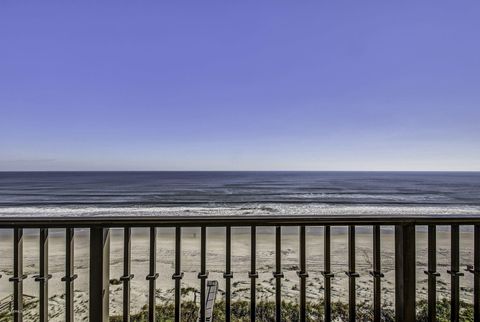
240,85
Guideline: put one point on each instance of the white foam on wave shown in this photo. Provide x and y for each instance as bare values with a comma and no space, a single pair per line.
237,210
371,197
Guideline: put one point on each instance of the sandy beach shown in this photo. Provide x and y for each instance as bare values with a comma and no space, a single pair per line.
240,264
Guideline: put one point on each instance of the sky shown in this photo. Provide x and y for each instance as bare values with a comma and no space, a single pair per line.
240,85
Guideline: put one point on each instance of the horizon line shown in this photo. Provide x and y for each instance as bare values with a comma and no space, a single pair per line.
25,171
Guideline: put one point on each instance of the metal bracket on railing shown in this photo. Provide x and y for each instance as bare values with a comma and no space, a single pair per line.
127,277
203,276
352,274
152,277
302,274
227,275
327,274
432,273
455,273
39,278
376,274
471,269
177,276
253,274
17,279
69,278
278,275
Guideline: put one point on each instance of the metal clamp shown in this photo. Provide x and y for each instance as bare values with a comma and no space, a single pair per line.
352,274
152,277
177,276
39,278
203,275
278,275
127,277
253,274
472,270
69,278
228,275
455,273
376,274
302,274
432,273
17,279
327,274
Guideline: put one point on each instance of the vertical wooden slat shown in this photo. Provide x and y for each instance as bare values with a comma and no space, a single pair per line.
476,271
405,272
352,275
18,276
152,274
178,275
203,275
278,274
127,272
253,274
327,275
432,273
228,275
377,275
455,273
302,274
69,274
43,275
99,274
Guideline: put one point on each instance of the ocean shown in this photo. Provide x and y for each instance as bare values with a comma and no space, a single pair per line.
238,193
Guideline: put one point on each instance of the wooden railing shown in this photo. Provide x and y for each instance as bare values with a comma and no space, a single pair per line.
405,261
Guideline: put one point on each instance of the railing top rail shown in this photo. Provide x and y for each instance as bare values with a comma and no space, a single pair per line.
211,221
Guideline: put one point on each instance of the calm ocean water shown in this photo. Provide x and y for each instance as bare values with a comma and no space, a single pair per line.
237,193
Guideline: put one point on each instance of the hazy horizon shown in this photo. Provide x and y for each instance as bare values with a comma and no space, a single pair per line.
186,171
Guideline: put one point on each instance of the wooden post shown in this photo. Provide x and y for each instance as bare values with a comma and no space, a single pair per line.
99,274
405,272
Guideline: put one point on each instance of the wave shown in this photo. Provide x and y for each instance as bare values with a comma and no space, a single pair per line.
250,209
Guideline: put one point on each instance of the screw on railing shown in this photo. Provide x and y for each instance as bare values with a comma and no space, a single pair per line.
43,275
253,274
455,273
302,274
377,274
178,275
203,275
432,273
127,272
327,275
152,274
278,274
352,275
69,274
228,274
18,275
476,272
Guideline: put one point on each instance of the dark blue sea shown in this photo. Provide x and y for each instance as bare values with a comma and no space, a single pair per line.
238,193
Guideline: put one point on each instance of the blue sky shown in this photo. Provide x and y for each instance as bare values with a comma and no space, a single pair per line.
240,85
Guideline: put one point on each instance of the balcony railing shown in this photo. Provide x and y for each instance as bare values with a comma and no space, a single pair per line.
405,261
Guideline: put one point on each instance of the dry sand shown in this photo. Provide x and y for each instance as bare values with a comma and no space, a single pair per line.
240,263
